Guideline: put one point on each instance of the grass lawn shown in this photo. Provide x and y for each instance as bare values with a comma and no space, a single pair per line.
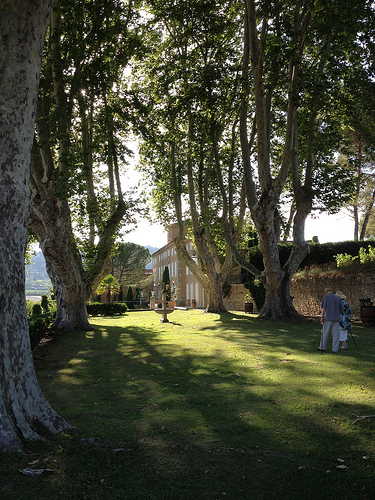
204,407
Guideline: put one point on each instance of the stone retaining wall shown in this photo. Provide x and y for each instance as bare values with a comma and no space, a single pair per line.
307,293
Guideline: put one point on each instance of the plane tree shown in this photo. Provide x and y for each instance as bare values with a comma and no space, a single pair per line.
84,117
293,58
279,109
190,80
23,408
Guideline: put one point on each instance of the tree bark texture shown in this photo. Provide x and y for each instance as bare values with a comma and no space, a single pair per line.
70,282
23,25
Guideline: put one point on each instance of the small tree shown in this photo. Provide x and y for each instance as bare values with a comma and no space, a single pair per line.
129,298
130,262
108,285
167,282
37,310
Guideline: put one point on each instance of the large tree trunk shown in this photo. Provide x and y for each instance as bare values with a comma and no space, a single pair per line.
215,296
50,222
278,303
23,24
72,293
263,202
276,281
276,278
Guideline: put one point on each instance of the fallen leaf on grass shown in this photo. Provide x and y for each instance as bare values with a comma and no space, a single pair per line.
34,462
343,467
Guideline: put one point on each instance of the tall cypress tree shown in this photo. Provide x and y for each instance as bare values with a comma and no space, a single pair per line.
129,298
166,280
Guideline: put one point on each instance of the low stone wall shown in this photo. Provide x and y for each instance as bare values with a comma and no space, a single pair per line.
308,293
235,300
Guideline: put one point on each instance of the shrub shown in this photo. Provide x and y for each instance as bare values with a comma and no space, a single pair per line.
258,292
367,256
39,326
104,309
45,303
344,259
36,310
29,307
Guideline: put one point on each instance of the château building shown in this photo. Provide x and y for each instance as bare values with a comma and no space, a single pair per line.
188,291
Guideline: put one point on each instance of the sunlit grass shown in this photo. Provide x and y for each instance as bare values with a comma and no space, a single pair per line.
204,407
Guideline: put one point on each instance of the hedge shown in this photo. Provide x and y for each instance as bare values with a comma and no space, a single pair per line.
258,292
319,255
104,309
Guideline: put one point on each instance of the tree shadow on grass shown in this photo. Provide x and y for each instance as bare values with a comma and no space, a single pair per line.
298,333
196,424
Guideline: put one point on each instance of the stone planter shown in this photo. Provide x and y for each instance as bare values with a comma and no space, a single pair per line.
194,303
249,307
171,304
367,314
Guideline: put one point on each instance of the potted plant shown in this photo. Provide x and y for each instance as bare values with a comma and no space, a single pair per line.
249,306
258,292
174,291
367,311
